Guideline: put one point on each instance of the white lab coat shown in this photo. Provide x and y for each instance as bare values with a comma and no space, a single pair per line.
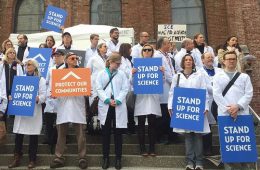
208,49
32,125
111,47
168,74
96,64
240,93
25,54
195,80
50,102
3,98
209,82
137,51
89,54
120,89
62,47
195,54
146,104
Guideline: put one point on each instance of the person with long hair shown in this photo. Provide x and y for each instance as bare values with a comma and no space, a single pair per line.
32,126
5,46
190,78
147,106
112,88
231,44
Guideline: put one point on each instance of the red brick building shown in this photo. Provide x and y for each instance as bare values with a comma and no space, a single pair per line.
217,19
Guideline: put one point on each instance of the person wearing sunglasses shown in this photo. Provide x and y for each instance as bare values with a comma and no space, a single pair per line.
29,125
112,88
70,109
9,68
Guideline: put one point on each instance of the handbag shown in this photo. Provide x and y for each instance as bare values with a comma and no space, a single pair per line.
2,132
214,106
93,124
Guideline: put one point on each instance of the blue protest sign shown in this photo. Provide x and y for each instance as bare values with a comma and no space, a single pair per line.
149,78
188,109
237,139
42,56
54,18
24,91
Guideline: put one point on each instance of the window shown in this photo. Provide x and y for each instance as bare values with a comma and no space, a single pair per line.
29,15
106,12
191,13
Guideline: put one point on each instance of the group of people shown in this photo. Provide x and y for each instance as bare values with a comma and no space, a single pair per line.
195,65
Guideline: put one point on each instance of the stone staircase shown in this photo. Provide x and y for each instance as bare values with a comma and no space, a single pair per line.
169,156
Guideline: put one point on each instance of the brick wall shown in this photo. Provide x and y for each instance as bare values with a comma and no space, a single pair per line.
223,18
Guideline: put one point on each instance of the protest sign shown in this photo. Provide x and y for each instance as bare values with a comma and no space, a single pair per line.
24,91
42,56
54,18
71,82
237,139
175,33
188,109
80,55
149,78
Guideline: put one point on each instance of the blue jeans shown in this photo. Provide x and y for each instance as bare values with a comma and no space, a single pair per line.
194,148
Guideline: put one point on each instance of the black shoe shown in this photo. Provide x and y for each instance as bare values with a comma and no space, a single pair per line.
83,164
105,164
118,164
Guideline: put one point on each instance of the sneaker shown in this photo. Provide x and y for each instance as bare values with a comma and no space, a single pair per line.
189,167
57,162
199,167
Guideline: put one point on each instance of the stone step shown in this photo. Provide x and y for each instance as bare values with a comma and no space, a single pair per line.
95,161
127,139
129,149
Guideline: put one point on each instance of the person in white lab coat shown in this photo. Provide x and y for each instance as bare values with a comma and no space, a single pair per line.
163,122
3,101
70,110
137,49
209,71
113,44
92,50
193,139
66,42
50,110
238,97
126,67
32,126
22,49
112,106
147,106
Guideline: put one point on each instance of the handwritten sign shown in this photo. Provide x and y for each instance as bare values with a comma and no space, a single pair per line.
71,82
42,56
148,79
188,109
237,139
24,91
175,33
54,18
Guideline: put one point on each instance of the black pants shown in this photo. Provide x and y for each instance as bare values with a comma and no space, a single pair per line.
50,128
33,145
151,131
163,123
207,142
106,132
131,122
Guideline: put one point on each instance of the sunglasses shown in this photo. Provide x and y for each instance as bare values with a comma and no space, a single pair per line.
74,58
147,49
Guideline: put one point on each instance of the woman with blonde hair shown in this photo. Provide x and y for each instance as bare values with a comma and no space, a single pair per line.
29,125
5,46
112,87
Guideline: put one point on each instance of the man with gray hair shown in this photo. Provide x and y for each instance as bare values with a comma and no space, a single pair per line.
187,46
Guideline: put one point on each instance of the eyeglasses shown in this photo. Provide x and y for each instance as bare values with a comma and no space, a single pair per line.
11,53
231,59
74,58
147,49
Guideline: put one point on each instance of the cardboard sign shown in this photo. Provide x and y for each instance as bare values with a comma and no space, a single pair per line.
54,18
188,109
237,139
24,91
80,54
149,78
71,82
42,56
175,33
